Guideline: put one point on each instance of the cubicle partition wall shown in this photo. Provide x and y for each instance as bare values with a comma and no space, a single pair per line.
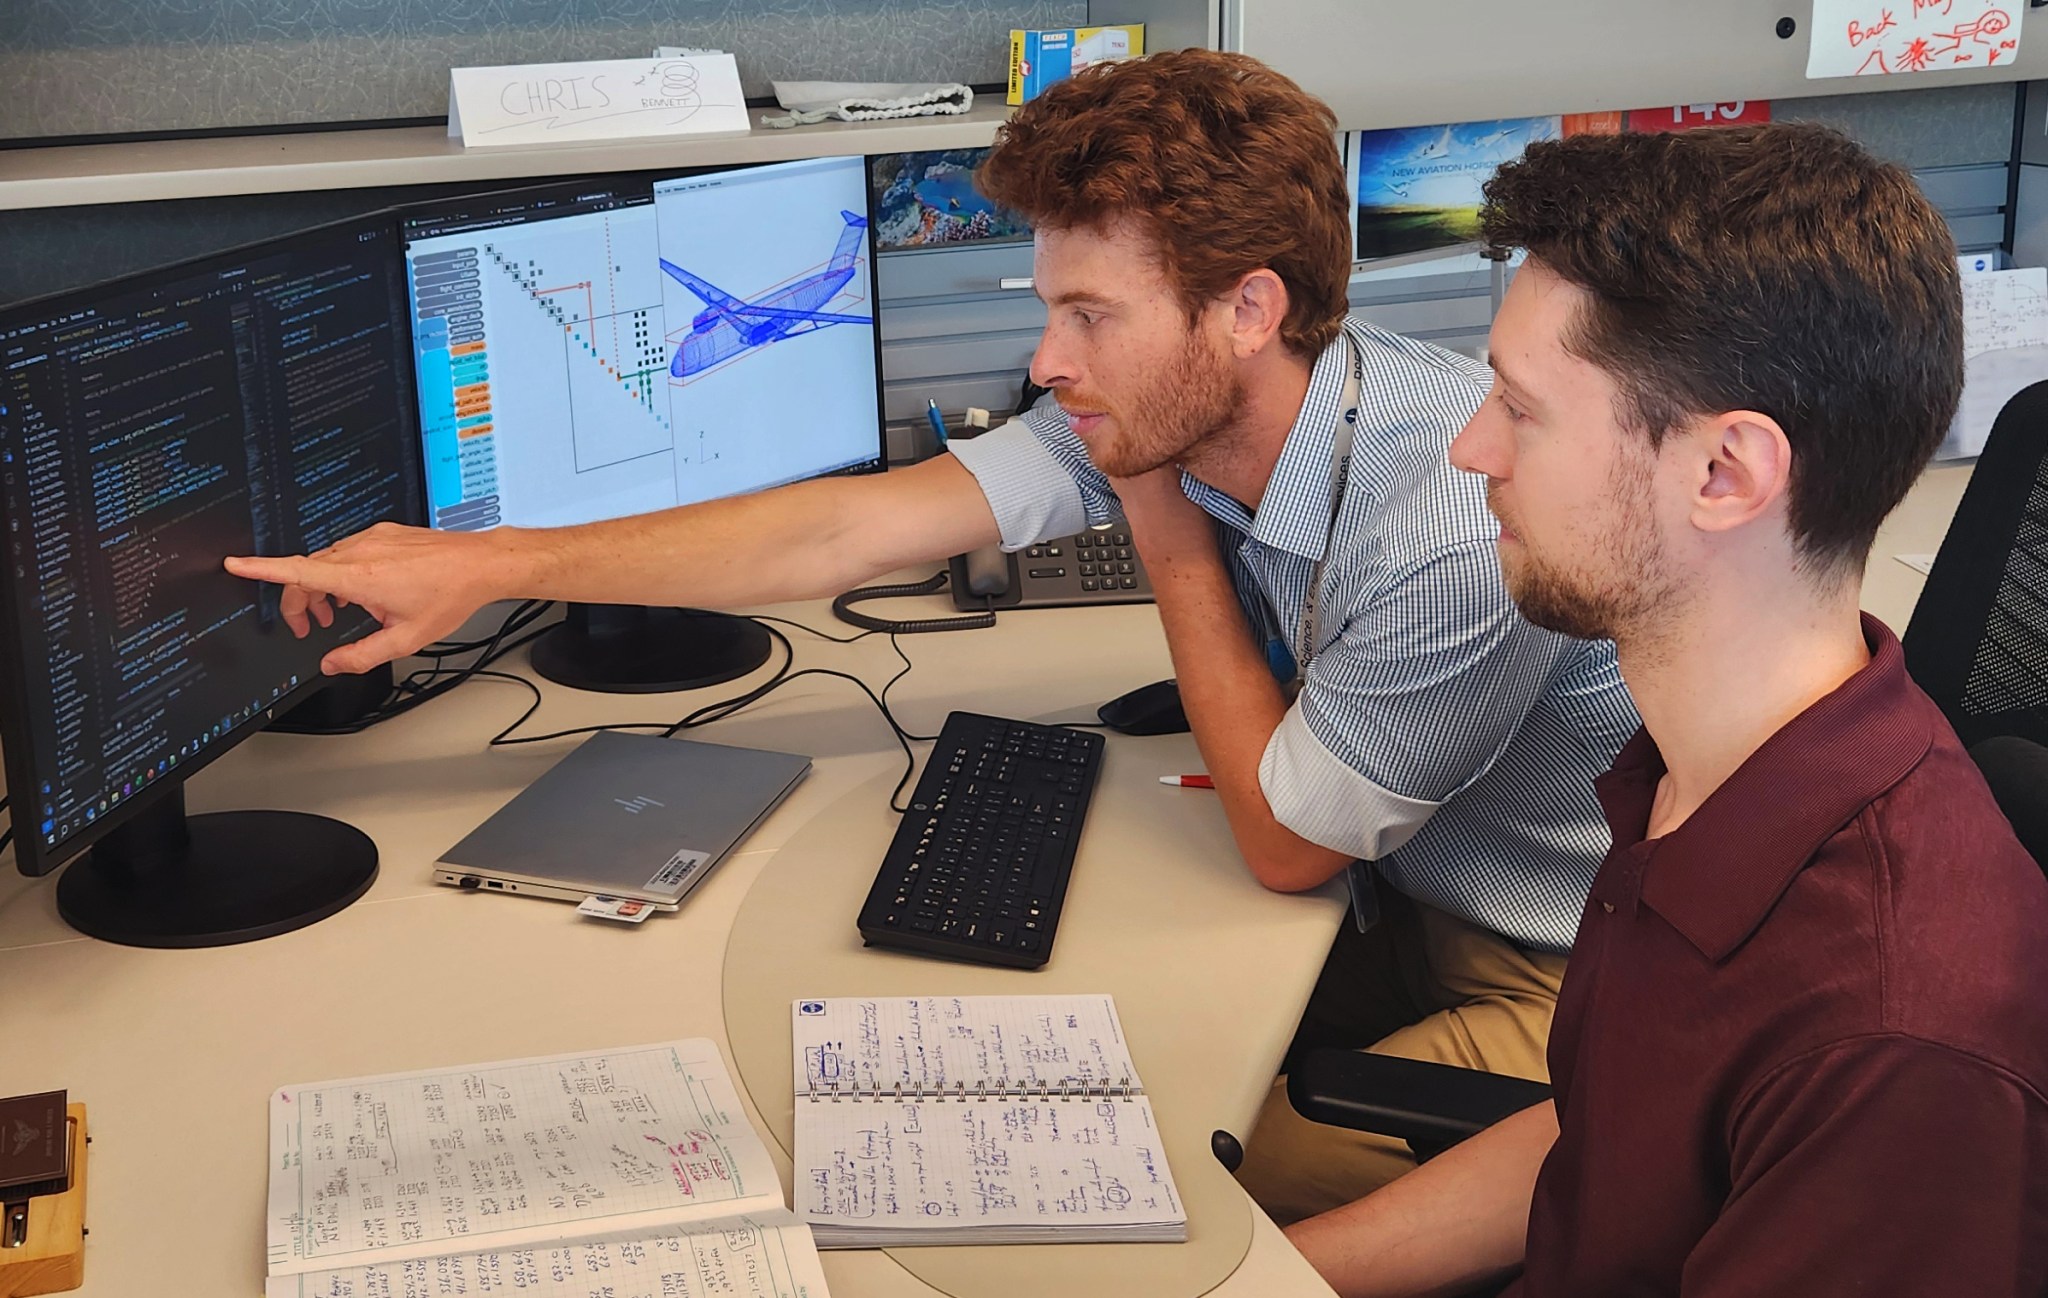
1397,63
950,331
125,66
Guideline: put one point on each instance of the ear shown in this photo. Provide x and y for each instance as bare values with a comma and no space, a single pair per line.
1258,306
1747,470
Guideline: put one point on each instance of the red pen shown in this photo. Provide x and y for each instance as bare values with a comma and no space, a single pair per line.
1189,781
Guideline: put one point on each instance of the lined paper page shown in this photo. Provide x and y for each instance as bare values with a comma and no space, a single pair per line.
926,1165
765,1255
521,1152
939,1042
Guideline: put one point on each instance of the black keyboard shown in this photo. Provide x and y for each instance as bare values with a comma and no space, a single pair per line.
979,865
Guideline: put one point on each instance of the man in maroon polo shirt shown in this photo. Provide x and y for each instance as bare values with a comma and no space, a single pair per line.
1802,1044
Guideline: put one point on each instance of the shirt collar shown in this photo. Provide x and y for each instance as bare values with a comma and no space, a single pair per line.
1717,876
1294,514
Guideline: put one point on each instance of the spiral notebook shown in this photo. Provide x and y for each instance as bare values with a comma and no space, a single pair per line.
975,1120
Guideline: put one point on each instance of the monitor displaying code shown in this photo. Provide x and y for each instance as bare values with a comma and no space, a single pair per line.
254,403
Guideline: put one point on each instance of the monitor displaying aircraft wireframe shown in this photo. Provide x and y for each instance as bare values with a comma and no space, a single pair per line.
600,349
729,325
606,348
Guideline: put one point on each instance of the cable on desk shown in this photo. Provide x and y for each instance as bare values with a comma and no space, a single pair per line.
724,708
842,608
431,682
424,683
894,644
718,711
521,617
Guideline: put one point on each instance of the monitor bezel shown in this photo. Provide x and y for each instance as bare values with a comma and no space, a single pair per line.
32,856
649,177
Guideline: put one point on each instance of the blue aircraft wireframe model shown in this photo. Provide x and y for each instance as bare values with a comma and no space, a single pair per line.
728,326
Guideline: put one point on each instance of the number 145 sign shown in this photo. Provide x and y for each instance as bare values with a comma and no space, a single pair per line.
1685,117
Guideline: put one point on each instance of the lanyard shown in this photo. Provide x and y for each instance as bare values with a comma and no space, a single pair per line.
1278,655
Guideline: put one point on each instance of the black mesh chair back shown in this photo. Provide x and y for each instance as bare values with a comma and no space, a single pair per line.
1978,641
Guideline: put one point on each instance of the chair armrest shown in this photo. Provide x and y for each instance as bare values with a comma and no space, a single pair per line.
1431,1106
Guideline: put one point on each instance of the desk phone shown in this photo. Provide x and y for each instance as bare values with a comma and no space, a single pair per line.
1097,566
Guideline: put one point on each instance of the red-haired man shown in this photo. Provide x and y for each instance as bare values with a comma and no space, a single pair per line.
1359,682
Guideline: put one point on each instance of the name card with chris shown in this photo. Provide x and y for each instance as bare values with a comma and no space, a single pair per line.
617,99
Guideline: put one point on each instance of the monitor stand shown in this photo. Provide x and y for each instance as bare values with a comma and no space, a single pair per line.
163,880
628,649
341,702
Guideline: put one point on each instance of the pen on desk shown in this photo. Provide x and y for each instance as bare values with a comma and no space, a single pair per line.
1189,781
938,422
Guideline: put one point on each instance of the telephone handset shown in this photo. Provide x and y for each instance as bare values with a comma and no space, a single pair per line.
1098,566
984,572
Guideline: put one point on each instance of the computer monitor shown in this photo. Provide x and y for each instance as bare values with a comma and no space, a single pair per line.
606,348
253,402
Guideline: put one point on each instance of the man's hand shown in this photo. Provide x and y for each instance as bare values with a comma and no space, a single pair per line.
1164,522
1232,701
420,584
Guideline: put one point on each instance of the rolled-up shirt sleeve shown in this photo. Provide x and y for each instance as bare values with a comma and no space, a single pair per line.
1037,477
1422,689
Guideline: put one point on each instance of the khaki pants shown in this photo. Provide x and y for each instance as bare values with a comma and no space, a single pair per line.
1421,984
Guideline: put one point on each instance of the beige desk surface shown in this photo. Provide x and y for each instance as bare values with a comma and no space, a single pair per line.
1890,588
175,1052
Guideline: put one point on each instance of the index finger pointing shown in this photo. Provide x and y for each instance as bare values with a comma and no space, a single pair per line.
285,571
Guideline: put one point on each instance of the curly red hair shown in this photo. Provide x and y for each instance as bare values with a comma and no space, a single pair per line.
1228,165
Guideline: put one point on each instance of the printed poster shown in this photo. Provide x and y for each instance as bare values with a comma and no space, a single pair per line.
1419,187
929,198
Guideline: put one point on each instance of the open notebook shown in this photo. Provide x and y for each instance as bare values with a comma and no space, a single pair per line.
975,1120
630,1172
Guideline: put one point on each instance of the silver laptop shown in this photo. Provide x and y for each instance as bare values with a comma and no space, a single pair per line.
632,816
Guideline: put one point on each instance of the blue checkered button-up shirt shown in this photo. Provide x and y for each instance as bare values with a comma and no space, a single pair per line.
1436,732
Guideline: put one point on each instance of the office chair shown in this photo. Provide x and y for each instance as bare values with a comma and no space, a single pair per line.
1978,639
1977,644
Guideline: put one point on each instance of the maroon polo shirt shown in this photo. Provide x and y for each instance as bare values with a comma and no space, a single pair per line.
1802,1047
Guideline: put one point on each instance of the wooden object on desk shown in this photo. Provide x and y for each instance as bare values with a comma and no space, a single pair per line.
53,1259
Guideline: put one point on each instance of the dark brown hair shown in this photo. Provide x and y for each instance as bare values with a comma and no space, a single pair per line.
1228,165
1774,268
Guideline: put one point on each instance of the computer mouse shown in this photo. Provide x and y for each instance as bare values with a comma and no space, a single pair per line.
1148,710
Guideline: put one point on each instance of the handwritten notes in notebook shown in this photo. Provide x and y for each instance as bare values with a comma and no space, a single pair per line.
988,1119
990,1170
942,1043
763,1255
410,1165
